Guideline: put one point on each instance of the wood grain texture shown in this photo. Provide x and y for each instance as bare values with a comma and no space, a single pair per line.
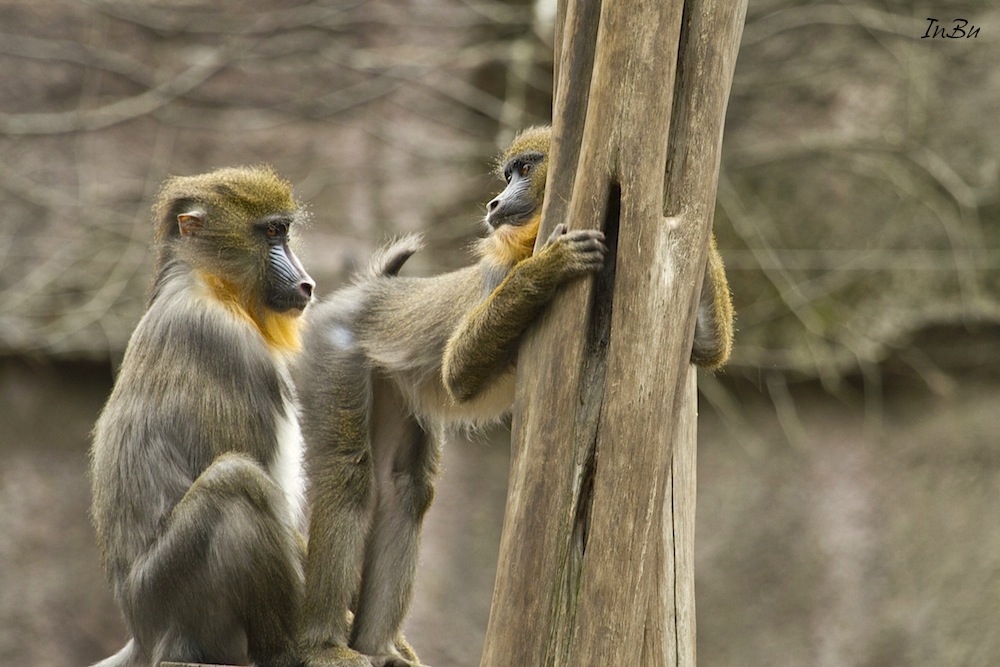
596,559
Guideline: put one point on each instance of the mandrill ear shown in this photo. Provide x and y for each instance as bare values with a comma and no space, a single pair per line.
190,222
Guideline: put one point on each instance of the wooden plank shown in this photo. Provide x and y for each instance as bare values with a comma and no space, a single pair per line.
596,562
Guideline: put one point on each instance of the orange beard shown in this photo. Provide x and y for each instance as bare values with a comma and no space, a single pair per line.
508,245
279,330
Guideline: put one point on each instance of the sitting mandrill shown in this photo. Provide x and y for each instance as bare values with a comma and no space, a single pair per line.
388,363
196,460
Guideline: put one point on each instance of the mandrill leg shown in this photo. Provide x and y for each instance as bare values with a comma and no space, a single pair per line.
223,583
406,463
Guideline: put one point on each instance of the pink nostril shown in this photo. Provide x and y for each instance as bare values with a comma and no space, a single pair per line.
306,287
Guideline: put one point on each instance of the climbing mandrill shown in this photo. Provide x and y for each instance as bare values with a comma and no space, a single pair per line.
196,456
516,213
389,362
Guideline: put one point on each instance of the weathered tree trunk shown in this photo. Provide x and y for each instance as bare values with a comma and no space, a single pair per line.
596,558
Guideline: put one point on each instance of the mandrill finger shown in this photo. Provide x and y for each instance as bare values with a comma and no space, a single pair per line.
556,234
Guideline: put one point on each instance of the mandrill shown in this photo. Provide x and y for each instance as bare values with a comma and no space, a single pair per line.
196,459
389,362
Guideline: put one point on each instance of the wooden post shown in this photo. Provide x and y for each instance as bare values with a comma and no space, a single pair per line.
596,557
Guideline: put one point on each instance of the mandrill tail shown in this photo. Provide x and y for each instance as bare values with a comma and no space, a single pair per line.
390,258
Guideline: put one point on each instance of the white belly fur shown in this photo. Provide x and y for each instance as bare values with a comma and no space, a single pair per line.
286,467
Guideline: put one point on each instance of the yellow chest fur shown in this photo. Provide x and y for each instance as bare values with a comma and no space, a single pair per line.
508,245
281,331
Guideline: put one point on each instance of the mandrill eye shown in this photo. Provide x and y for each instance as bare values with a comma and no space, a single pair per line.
275,231
525,168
